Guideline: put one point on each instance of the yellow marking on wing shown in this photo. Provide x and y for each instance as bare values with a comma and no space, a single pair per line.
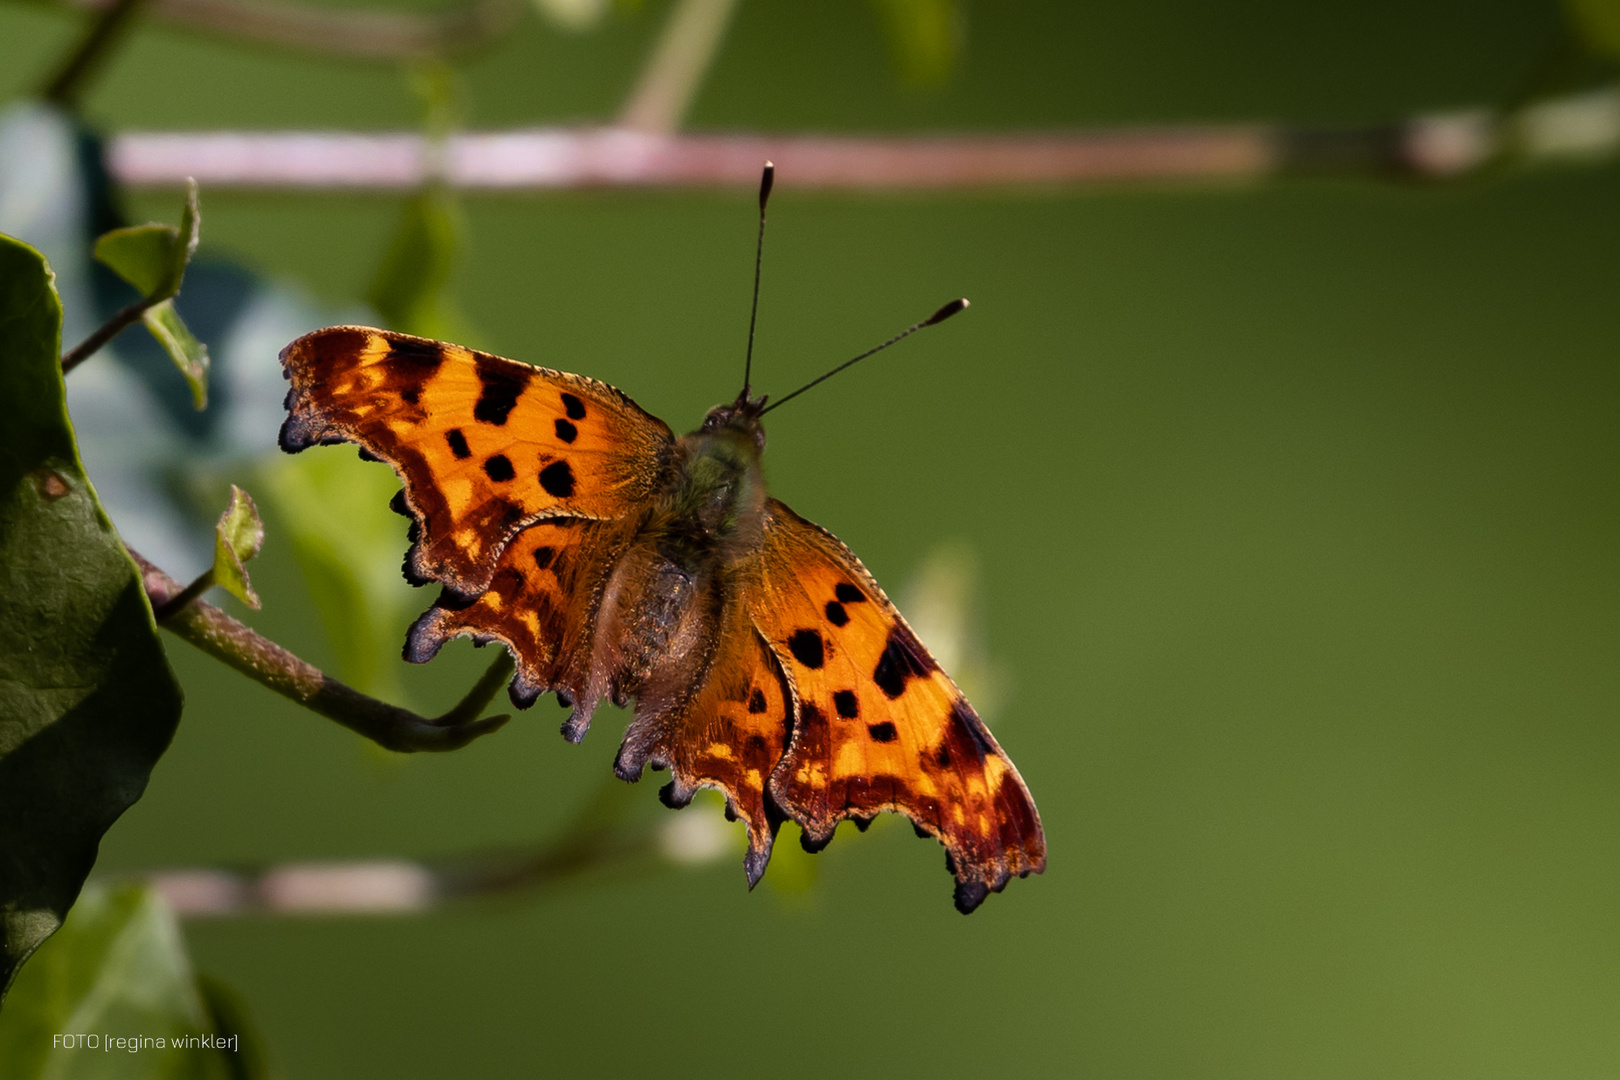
458,493
851,758
720,750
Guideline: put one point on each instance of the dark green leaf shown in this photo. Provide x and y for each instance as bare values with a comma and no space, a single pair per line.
237,538
117,968
87,701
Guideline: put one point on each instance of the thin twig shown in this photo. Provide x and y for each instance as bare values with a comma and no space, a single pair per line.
259,658
367,34
674,71
177,603
105,333
64,87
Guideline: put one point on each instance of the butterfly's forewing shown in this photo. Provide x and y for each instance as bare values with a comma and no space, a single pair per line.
726,732
485,445
879,725
542,600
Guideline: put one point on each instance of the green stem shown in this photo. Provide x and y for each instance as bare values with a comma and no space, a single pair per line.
66,85
265,662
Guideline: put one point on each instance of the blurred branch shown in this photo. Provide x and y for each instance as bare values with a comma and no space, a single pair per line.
104,31
370,34
599,837
685,50
121,320
1428,147
259,658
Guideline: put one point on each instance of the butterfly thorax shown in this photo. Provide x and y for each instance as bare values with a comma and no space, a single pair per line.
715,504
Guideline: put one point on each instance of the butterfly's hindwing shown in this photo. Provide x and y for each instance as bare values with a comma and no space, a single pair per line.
879,726
543,601
726,731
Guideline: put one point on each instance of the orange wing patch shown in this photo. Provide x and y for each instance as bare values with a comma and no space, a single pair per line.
879,726
484,445
542,601
727,733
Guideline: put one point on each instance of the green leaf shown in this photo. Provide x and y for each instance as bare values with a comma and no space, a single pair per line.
153,258
1597,23
142,255
411,290
925,37
118,968
87,701
237,538
333,508
188,354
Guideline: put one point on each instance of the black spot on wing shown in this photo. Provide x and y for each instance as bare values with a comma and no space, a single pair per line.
846,704
398,504
367,455
969,730
756,701
499,468
836,613
412,395
424,357
574,407
807,648
848,593
503,383
543,556
458,443
903,658
883,732
565,431
558,479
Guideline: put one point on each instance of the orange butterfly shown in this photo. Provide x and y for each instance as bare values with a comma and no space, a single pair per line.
617,561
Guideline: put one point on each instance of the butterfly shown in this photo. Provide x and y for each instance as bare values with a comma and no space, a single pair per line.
619,562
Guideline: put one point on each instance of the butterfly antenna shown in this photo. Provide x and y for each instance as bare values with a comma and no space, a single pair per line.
937,317
767,178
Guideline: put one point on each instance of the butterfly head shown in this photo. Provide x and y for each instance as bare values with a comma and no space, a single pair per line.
741,417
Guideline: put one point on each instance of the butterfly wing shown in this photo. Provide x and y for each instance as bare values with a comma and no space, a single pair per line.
484,445
542,601
726,732
879,726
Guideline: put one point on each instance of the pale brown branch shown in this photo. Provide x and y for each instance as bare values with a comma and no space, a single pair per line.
369,34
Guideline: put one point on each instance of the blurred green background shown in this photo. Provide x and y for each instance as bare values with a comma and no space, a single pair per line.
1296,512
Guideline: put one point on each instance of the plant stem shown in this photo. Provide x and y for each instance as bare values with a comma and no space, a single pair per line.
105,333
68,82
180,600
265,662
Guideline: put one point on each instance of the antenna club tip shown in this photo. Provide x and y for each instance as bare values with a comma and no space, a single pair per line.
766,179
946,312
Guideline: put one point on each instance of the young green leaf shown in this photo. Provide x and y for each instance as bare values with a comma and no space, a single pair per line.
87,701
153,258
237,538
188,354
142,255
117,969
